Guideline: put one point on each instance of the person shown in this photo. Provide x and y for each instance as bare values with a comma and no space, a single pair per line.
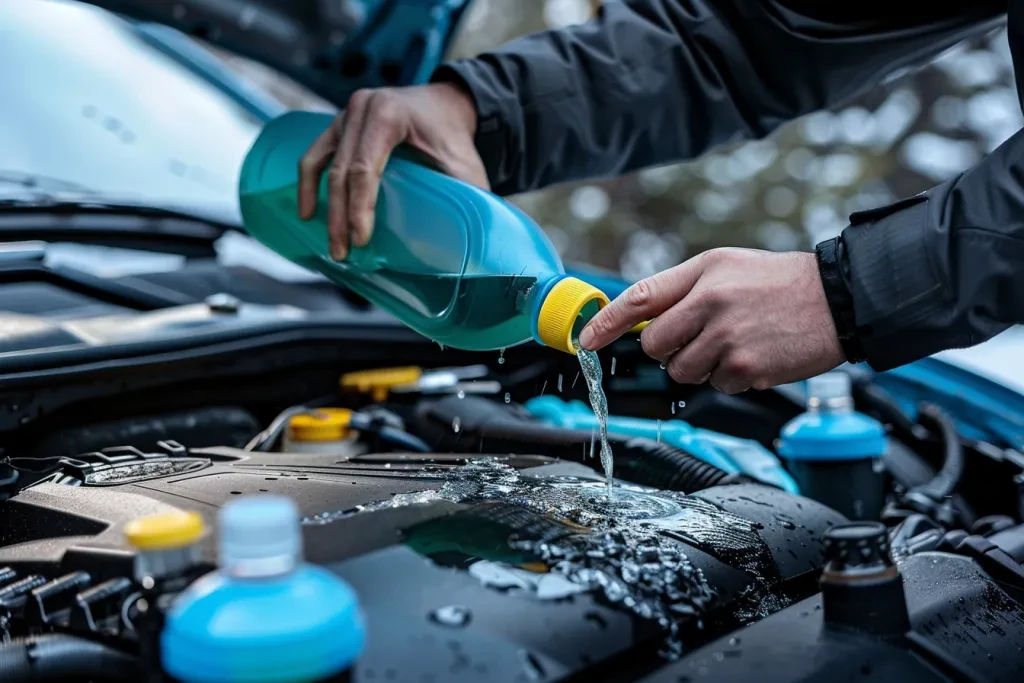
648,82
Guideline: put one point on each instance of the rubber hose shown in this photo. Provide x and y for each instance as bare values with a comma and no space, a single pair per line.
661,466
64,658
945,481
485,426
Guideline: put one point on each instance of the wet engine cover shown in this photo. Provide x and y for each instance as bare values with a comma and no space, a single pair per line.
508,569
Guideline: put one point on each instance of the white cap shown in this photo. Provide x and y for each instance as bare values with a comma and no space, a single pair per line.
260,536
831,390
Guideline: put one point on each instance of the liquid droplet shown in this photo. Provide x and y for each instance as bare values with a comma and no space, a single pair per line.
575,379
544,387
387,466
501,357
673,408
441,345
614,361
593,440
454,616
456,424
508,397
662,366
559,384
532,666
461,394
682,404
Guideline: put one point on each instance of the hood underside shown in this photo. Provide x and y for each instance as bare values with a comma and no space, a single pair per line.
333,47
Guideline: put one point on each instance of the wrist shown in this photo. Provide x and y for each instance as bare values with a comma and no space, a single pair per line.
454,91
830,256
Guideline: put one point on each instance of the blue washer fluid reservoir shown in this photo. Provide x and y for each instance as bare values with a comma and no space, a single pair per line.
264,616
834,452
728,453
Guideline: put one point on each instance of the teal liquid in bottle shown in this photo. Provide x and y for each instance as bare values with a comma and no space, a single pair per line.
453,262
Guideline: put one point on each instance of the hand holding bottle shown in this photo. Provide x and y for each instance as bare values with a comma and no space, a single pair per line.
438,119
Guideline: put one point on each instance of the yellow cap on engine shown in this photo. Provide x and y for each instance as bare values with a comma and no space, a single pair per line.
567,307
378,382
322,424
165,531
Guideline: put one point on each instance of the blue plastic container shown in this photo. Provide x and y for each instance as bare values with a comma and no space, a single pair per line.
455,263
264,616
833,452
725,452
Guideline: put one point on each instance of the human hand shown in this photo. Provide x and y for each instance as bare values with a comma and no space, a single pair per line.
438,119
740,317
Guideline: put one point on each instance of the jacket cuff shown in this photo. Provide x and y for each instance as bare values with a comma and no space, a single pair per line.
495,114
832,268
900,304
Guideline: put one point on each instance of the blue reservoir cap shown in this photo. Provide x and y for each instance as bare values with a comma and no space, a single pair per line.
825,437
264,617
831,430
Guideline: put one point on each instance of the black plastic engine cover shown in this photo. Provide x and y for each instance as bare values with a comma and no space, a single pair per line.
431,612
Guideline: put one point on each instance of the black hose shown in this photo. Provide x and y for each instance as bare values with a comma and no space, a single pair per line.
945,481
661,466
495,428
64,658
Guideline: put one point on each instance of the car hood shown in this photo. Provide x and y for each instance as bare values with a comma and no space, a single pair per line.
333,47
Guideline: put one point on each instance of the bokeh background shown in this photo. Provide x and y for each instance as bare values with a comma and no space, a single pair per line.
786,192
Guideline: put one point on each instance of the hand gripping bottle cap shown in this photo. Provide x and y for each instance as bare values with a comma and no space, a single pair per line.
260,536
566,309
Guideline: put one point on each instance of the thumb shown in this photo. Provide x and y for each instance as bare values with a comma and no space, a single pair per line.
646,299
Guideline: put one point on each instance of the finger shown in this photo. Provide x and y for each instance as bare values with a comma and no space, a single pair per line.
337,212
735,373
644,300
383,131
675,328
694,362
312,165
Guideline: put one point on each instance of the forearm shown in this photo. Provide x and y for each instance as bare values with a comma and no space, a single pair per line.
655,81
941,270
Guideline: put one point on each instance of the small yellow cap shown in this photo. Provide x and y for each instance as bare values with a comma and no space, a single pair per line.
570,302
378,383
323,424
640,327
166,531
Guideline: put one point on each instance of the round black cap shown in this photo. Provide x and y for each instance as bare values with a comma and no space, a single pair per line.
857,546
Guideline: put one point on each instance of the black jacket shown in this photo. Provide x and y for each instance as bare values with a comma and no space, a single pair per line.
654,81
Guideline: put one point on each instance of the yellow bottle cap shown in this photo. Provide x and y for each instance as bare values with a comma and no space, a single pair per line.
166,531
323,424
640,327
565,310
378,383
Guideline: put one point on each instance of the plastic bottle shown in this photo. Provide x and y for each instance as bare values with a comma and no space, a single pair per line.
455,263
834,452
264,616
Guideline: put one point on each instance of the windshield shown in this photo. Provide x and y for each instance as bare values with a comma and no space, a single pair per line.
93,105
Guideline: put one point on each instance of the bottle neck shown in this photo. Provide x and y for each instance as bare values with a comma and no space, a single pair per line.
262,567
830,406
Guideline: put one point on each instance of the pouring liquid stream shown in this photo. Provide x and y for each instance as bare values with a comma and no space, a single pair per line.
590,366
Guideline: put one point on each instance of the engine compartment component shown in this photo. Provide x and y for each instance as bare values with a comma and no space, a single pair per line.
464,507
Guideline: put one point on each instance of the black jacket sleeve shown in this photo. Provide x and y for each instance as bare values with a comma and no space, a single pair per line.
653,81
941,270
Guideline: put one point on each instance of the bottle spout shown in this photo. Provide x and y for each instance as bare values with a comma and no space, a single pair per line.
565,311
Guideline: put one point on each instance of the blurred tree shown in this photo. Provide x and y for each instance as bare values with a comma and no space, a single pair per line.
786,192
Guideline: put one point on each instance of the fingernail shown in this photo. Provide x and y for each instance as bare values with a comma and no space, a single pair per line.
586,337
337,253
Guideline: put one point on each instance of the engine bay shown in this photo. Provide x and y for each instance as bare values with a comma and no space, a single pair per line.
460,497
